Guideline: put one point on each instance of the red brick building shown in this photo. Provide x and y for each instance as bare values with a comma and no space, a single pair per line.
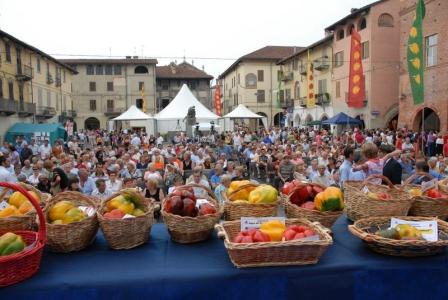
435,31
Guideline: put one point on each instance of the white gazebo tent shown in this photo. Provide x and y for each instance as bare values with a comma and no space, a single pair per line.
172,117
241,112
137,118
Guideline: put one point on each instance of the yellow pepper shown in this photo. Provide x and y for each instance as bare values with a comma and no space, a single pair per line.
274,229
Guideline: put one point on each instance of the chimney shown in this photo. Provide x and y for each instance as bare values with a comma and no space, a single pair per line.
353,10
203,68
135,57
128,57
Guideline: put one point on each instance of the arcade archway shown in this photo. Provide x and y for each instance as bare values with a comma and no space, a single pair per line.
431,120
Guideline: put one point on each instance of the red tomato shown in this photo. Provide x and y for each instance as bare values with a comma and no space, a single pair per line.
309,232
289,234
299,235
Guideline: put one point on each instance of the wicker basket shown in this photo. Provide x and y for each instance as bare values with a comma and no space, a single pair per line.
358,205
365,230
326,218
74,236
131,232
186,230
424,206
235,211
20,266
287,253
24,222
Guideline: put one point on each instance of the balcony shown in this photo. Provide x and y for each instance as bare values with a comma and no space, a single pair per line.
302,101
50,79
26,109
69,114
113,112
321,64
24,73
322,99
45,112
8,107
302,69
287,76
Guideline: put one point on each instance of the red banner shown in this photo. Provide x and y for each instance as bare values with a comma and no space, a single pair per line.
218,100
356,84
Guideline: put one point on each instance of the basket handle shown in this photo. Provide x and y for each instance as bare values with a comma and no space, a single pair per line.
413,176
323,228
384,178
359,233
41,234
220,231
242,187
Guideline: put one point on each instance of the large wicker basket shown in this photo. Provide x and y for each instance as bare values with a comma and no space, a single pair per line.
74,236
186,230
326,218
358,205
27,221
235,211
288,253
131,232
424,206
365,230
20,266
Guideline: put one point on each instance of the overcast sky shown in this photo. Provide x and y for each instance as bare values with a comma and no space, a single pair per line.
216,30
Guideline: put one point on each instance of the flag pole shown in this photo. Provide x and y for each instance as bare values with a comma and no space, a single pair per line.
423,130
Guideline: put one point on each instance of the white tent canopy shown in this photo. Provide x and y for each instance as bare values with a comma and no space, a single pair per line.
178,107
132,114
242,112
171,118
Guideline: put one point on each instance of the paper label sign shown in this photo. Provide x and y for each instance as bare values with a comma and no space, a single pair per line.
88,210
3,205
249,223
365,189
199,202
429,185
428,229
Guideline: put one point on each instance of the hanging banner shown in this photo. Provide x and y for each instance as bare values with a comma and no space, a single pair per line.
218,100
356,82
415,54
311,98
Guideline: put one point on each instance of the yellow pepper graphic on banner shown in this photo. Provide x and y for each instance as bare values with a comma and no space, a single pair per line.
311,97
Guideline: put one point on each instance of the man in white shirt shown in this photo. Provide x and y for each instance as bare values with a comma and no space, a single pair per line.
113,184
159,140
34,147
136,142
6,175
45,150
101,191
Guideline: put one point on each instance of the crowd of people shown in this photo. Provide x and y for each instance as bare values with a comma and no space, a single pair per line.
100,163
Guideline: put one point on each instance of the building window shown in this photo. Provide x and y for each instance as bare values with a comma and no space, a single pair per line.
8,52
362,24
38,65
431,50
89,70
99,70
295,65
110,86
117,69
108,69
49,98
139,103
11,90
192,85
365,50
92,105
386,20
338,89
279,75
350,29
239,80
251,81
21,91
288,94
322,86
260,96
282,95
1,88
92,86
40,97
340,34
141,70
339,59
141,86
260,75
165,85
297,90
110,105
63,75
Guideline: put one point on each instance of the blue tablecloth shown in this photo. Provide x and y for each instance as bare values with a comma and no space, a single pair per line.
162,269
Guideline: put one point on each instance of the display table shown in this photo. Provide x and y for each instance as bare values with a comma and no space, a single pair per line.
162,269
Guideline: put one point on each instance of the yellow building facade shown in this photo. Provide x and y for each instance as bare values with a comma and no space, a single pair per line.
34,87
295,82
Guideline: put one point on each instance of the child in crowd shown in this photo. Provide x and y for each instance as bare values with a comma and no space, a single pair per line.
221,189
178,181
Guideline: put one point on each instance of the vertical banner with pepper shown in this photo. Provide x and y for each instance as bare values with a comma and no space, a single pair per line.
218,100
356,83
311,98
415,54
142,93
